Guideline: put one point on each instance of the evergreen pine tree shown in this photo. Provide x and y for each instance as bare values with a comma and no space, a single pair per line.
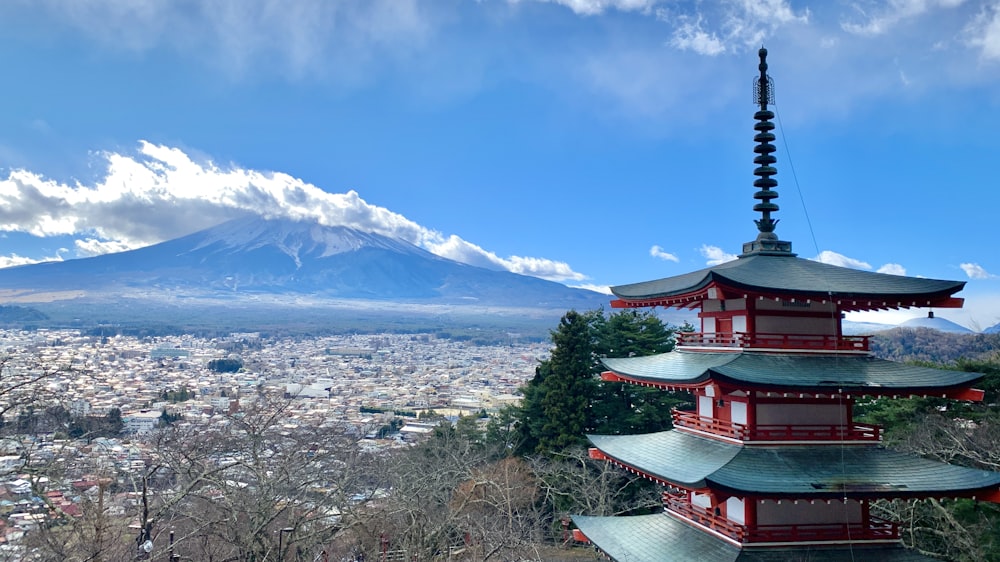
555,409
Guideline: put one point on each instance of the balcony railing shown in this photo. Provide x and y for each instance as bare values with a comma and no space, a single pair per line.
875,529
787,432
742,340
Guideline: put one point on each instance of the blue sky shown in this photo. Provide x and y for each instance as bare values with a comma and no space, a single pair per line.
592,142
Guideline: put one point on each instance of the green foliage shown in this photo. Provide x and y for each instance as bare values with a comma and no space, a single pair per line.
378,410
555,409
176,396
225,365
565,400
92,427
940,348
991,381
166,418
620,408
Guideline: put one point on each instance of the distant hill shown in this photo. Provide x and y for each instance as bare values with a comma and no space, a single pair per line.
936,323
254,263
926,344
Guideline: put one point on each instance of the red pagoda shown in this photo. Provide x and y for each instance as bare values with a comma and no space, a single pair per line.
771,464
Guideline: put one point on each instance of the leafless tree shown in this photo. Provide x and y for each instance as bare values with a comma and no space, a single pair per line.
961,530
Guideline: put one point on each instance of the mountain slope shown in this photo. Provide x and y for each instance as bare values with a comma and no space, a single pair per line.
254,256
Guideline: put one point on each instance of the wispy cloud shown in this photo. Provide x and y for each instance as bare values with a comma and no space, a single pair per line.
983,33
715,255
892,269
833,258
594,7
234,36
733,25
603,289
162,193
976,271
658,252
14,260
886,15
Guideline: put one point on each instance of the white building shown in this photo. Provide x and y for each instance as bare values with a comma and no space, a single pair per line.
141,422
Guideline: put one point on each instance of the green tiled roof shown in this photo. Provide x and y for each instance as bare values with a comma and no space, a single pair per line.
672,455
794,276
653,538
849,373
661,538
791,471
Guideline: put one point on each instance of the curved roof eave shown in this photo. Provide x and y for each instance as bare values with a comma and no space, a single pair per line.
659,537
695,462
794,276
854,471
856,374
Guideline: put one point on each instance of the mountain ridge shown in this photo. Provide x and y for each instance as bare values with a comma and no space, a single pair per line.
257,256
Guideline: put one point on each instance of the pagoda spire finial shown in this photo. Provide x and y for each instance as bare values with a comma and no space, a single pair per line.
763,94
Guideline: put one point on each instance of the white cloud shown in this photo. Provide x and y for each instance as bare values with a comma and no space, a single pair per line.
975,271
715,255
691,36
892,269
162,193
93,247
594,7
239,36
833,258
657,252
14,259
603,289
891,13
728,26
983,33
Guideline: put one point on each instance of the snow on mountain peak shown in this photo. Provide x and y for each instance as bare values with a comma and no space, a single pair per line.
296,238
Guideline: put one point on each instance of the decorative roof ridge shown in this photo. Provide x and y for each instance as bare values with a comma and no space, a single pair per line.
767,242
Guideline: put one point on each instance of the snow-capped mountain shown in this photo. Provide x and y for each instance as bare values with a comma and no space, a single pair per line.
254,256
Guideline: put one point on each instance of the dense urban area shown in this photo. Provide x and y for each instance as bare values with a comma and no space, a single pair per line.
383,391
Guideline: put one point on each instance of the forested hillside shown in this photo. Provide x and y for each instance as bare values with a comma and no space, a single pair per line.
926,344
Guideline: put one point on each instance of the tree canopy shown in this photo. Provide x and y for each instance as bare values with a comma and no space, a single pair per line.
566,400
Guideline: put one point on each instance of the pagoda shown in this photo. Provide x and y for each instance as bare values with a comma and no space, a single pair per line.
771,464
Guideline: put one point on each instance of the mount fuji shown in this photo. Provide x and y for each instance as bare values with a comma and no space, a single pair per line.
252,257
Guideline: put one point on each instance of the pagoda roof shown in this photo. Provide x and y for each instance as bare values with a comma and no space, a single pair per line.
791,276
662,538
858,374
696,462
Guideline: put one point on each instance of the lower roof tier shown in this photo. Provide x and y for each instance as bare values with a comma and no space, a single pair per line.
850,374
859,471
662,538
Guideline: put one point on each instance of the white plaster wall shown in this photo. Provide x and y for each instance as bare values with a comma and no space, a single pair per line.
736,510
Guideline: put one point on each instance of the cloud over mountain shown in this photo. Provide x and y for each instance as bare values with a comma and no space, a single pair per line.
162,193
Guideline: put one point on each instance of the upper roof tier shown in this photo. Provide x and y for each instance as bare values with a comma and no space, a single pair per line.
788,276
767,266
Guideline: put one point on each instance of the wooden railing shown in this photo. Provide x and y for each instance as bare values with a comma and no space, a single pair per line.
788,432
744,340
702,516
875,529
